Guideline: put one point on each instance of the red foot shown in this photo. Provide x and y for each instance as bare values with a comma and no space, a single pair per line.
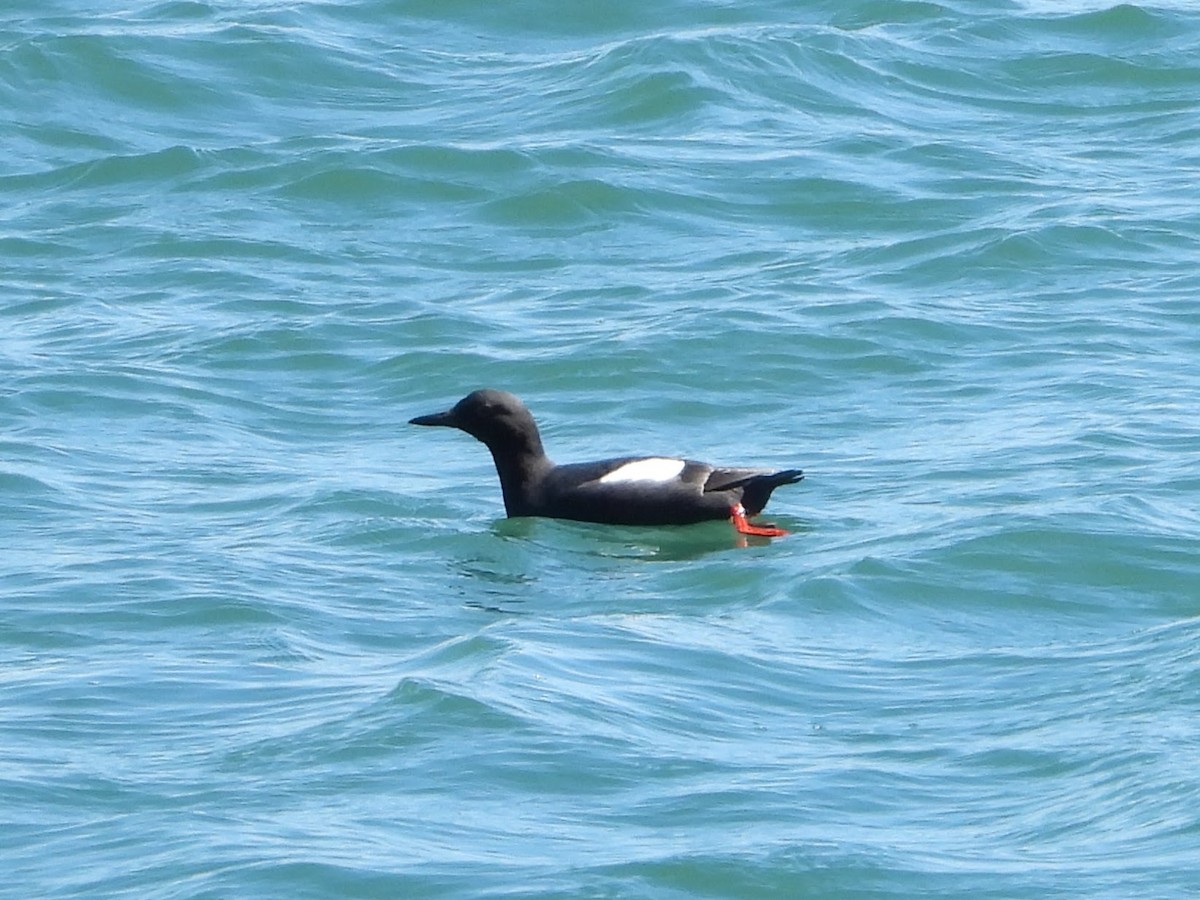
737,512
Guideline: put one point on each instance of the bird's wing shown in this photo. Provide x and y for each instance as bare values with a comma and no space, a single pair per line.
724,479
634,490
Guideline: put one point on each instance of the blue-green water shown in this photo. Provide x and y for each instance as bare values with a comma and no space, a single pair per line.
259,638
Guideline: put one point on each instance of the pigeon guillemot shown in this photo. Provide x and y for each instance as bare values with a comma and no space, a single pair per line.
632,490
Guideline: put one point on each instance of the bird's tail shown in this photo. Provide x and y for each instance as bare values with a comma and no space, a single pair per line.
756,490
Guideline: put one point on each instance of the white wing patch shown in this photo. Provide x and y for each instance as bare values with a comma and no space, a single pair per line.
656,469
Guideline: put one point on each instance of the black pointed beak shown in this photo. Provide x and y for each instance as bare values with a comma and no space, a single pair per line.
443,418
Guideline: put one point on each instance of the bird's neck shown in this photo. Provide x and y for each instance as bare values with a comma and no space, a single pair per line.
521,470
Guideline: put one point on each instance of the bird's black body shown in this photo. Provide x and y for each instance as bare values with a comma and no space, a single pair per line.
626,491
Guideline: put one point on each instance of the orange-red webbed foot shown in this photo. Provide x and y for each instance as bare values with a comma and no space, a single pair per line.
737,513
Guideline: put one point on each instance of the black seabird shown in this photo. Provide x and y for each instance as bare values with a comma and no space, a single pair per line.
632,490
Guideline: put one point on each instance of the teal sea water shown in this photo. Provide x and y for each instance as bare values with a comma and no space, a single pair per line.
260,638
